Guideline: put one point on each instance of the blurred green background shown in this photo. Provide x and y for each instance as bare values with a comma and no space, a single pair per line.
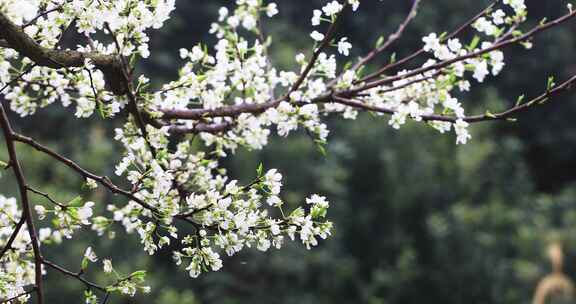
417,218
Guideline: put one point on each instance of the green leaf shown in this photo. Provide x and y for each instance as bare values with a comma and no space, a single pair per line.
298,212
550,84
393,58
543,21
443,36
84,264
138,276
360,71
520,99
318,212
260,169
76,202
348,65
322,150
474,43
380,41
100,108
489,114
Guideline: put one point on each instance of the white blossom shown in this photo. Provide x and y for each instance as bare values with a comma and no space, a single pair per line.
317,36
90,255
344,46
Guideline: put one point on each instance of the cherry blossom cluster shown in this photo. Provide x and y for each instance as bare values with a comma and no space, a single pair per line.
82,87
17,266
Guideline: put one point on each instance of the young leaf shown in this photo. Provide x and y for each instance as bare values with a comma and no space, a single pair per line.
380,41
520,99
550,84
76,202
260,170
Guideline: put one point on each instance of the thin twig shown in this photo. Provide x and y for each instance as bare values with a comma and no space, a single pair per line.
77,276
18,296
26,207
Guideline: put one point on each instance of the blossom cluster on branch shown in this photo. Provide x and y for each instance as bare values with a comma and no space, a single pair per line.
227,96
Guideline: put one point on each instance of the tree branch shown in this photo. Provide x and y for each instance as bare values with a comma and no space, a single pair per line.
77,276
419,52
567,85
17,39
8,245
103,180
201,128
252,107
7,301
391,39
26,208
446,63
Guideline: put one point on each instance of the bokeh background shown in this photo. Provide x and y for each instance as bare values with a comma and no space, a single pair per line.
417,218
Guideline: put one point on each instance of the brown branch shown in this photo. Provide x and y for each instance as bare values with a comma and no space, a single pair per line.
567,85
17,39
7,301
391,39
46,196
478,53
103,180
8,245
324,44
17,78
202,128
195,114
421,51
254,108
77,276
26,208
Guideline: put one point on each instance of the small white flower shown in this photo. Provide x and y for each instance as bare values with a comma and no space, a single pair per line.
317,17
332,8
44,234
344,46
275,229
272,9
316,199
249,22
91,184
300,58
461,129
317,36
517,5
223,13
454,45
355,4
273,180
85,213
90,255
184,53
274,201
41,211
107,266
484,25
480,71
431,42
498,17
